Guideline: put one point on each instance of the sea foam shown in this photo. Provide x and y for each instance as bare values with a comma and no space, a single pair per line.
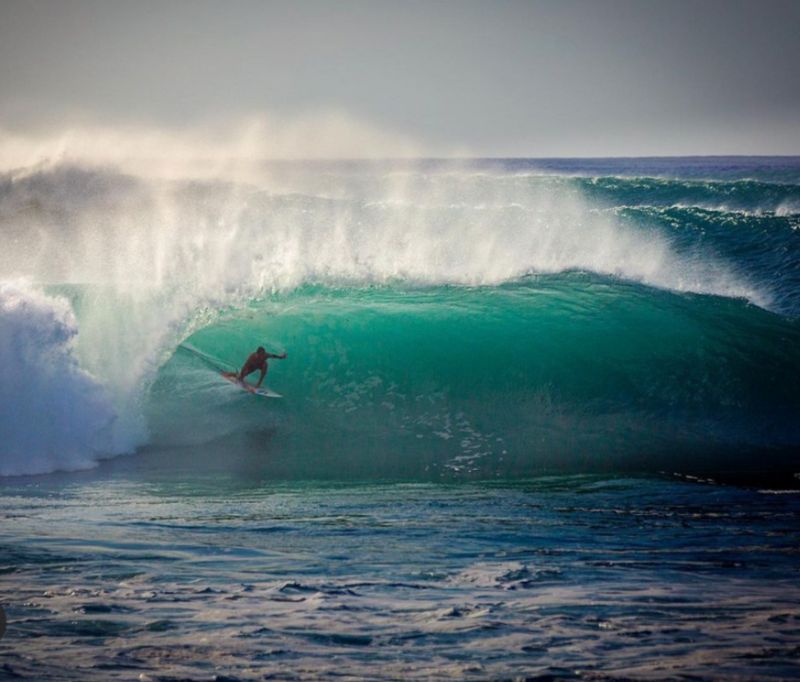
55,415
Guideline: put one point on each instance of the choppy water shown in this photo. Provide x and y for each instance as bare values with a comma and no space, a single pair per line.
187,577
516,398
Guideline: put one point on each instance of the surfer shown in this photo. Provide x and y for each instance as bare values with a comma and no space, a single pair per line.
257,360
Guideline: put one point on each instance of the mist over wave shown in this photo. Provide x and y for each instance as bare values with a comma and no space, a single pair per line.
70,224
147,261
230,149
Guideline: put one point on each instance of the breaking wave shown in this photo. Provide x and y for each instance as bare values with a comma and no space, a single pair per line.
620,316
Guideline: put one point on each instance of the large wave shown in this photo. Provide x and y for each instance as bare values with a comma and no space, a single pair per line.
145,262
571,372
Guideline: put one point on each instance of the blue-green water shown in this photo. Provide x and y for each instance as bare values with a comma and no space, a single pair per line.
539,418
568,373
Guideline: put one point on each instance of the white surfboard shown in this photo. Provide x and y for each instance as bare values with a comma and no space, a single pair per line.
264,391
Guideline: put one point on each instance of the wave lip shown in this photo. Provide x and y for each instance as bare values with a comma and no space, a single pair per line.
55,415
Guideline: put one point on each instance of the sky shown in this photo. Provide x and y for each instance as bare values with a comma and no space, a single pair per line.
437,78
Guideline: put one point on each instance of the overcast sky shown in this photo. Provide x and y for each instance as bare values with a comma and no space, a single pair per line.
537,78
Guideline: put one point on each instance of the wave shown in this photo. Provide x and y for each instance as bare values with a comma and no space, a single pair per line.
764,246
556,373
145,263
746,195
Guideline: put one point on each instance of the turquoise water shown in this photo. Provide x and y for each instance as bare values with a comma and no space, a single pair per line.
569,373
540,417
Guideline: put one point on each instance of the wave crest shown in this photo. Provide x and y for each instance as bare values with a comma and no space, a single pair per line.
354,226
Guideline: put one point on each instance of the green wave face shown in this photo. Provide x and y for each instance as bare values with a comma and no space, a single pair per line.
570,372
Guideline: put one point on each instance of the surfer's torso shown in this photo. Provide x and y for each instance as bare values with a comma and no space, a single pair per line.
252,364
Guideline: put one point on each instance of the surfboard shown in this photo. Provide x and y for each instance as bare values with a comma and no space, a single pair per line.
264,391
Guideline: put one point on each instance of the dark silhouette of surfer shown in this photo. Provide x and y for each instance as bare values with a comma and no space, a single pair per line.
257,360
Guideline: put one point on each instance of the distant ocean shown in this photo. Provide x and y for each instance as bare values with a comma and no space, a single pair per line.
540,417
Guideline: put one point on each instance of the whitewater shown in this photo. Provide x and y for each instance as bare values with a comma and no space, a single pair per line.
535,417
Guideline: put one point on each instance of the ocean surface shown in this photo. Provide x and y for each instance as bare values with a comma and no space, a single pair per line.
539,418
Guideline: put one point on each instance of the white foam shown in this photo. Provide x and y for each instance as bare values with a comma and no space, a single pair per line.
787,209
54,414
217,238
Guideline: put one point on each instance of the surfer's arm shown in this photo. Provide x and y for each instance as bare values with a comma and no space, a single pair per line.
277,357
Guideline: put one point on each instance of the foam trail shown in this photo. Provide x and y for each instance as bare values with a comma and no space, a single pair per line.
55,415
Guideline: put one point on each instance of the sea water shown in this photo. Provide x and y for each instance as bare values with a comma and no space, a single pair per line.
540,417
